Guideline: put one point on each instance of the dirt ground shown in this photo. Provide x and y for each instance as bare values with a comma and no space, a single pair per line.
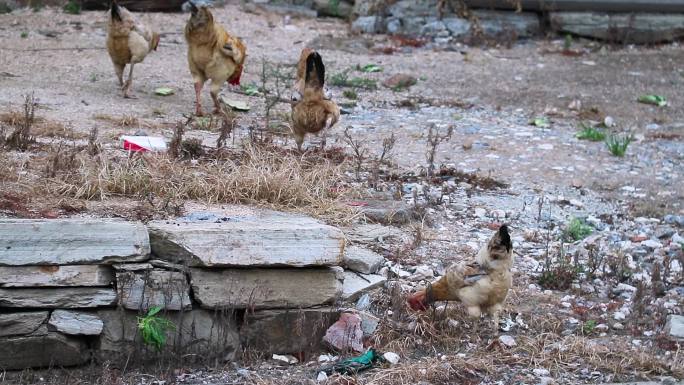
489,95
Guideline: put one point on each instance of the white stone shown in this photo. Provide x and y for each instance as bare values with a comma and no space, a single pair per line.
73,322
540,372
422,272
355,284
362,260
71,241
651,244
675,326
507,341
288,359
322,377
272,239
392,358
619,316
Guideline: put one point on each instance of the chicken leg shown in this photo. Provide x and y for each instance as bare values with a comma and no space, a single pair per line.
198,98
119,69
214,91
127,85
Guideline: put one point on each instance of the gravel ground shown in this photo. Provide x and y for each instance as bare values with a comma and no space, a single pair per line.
489,95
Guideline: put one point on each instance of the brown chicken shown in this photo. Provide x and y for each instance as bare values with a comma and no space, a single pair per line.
212,54
481,285
314,111
128,42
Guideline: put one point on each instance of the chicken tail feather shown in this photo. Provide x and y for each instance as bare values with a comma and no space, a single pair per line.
315,67
114,7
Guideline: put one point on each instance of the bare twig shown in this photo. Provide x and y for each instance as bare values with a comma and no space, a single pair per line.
433,140
359,151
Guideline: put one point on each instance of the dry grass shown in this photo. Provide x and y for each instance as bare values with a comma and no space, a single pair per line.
257,176
119,121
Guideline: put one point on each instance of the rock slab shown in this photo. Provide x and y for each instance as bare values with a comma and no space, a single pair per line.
69,242
675,326
287,331
266,288
12,324
357,284
142,290
64,298
362,260
51,276
624,27
76,323
197,332
272,239
50,350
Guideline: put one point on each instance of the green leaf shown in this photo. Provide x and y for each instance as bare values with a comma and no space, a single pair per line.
164,91
371,68
540,122
655,100
250,89
154,310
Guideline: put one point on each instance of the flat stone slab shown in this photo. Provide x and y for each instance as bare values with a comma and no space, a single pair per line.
71,241
50,350
209,334
142,290
260,239
75,323
47,276
266,288
62,298
362,260
12,324
287,331
623,27
357,284
675,326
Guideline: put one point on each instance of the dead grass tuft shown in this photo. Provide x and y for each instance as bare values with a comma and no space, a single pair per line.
254,175
119,121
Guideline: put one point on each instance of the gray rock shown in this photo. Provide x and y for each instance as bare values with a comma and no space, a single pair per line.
50,350
623,27
71,241
456,26
362,260
369,323
266,288
67,298
74,323
411,8
46,276
12,324
211,335
674,219
523,24
675,326
369,7
394,26
338,8
370,233
145,289
287,331
271,239
357,284
367,24
433,27
388,212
